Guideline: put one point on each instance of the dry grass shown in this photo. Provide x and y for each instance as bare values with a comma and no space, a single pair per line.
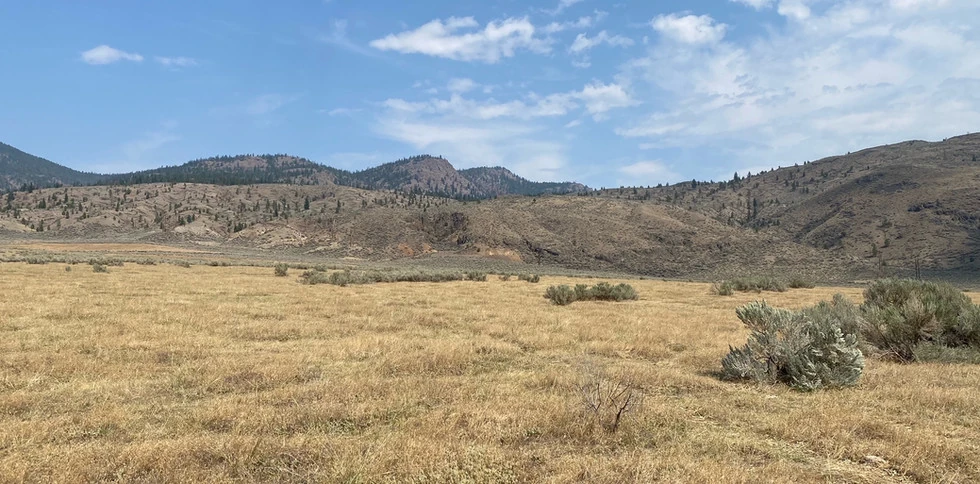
165,374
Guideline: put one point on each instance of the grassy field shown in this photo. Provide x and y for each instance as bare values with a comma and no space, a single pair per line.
166,374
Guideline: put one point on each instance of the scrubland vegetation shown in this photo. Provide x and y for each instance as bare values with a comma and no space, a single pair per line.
167,374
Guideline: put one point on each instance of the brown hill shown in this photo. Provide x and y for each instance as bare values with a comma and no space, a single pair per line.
899,204
891,206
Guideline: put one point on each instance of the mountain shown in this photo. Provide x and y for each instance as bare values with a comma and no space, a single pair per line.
18,169
419,174
497,180
232,170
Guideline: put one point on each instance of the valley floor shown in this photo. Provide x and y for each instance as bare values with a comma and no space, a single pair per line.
162,373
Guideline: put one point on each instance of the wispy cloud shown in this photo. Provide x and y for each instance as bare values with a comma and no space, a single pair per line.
499,39
104,54
337,36
175,62
853,74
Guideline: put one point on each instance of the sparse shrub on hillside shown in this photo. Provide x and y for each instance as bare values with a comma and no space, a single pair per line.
532,278
97,267
564,295
806,350
477,276
281,269
904,314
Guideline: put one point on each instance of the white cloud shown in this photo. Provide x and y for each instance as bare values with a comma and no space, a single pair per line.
856,74
794,9
596,98
461,85
583,42
600,98
562,5
689,29
176,62
649,172
442,39
104,54
582,23
756,4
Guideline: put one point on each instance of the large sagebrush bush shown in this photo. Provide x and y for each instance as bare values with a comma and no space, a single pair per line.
904,314
807,350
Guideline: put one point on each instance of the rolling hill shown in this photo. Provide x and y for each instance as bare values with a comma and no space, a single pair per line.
898,206
18,169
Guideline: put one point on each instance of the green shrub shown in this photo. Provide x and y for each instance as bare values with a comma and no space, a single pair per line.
182,263
748,284
36,260
281,269
806,350
97,267
67,268
532,278
603,291
560,295
902,314
723,288
146,262
477,276
798,282
314,277
505,277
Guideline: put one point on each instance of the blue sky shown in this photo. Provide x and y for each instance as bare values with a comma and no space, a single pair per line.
605,93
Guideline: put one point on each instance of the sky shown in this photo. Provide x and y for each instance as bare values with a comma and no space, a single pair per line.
605,93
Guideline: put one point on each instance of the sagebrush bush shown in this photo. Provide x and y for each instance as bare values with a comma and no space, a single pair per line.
348,277
903,314
564,295
799,282
748,284
806,350
477,276
560,295
97,267
532,278
281,269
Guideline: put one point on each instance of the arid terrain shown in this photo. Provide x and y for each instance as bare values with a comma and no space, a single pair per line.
884,210
159,373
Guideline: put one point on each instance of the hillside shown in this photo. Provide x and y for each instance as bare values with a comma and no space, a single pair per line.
18,169
419,174
570,231
903,203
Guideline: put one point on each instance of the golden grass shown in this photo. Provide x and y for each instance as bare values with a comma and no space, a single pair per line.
164,374
61,247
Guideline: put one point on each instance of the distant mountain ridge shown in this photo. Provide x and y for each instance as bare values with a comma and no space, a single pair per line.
18,169
423,174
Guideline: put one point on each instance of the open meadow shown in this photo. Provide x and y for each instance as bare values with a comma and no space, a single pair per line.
159,373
